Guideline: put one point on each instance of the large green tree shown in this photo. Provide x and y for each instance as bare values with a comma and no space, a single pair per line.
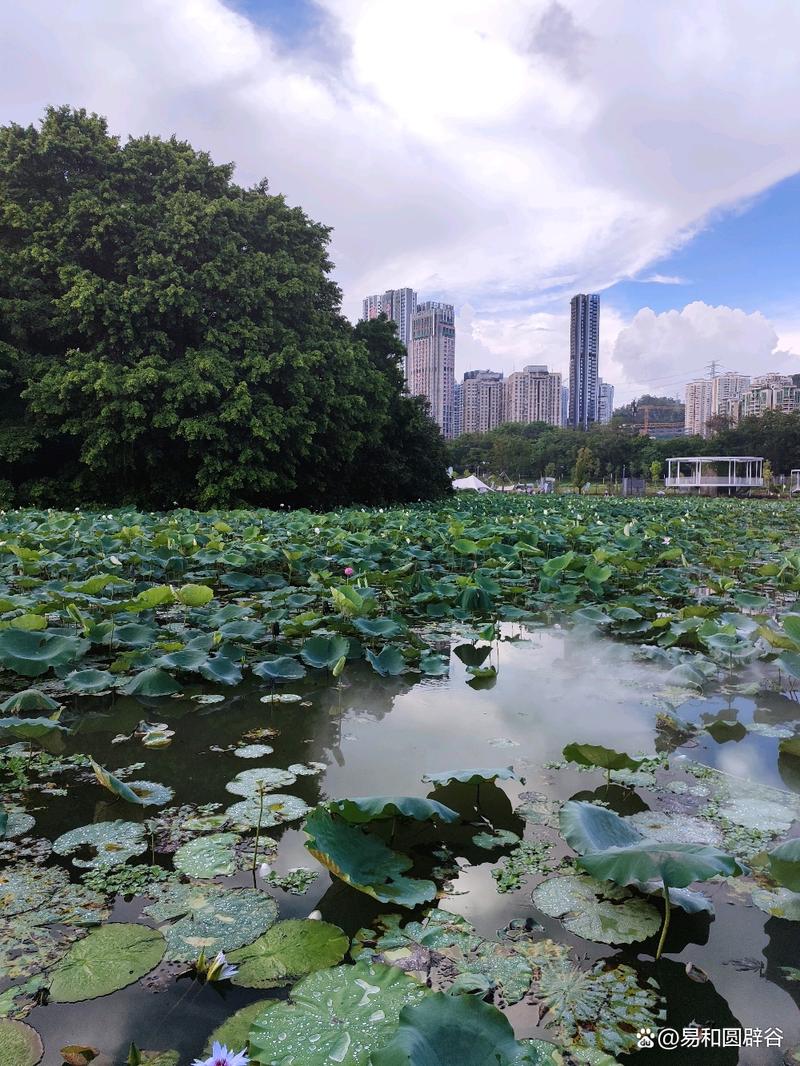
167,335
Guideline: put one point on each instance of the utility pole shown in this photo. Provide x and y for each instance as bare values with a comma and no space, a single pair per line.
712,368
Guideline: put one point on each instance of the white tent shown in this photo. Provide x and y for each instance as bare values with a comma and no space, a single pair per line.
471,482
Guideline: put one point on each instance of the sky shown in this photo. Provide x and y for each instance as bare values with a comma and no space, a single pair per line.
500,155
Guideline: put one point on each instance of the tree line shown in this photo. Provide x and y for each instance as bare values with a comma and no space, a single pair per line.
168,336
526,452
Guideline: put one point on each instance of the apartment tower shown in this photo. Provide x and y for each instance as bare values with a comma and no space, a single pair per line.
583,359
431,360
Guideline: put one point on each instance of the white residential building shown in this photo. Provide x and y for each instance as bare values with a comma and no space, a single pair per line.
533,395
482,401
605,401
431,360
698,407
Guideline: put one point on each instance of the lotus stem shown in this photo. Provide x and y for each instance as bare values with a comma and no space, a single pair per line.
258,828
665,926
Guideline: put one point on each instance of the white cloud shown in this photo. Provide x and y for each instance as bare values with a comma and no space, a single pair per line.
664,279
659,353
500,155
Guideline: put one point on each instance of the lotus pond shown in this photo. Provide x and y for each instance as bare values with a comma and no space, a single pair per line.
501,781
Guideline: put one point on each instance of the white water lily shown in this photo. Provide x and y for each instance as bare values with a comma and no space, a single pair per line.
315,916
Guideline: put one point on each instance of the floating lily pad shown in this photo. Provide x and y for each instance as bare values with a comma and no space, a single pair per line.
277,808
337,1016
671,826
265,778
109,958
235,1031
208,856
289,950
211,918
780,903
281,697
151,793
18,823
111,842
253,751
751,813
597,910
20,1045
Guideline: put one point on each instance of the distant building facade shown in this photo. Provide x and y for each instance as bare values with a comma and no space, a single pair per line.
431,360
533,395
458,408
584,349
398,305
605,401
770,392
726,392
564,405
698,407
482,401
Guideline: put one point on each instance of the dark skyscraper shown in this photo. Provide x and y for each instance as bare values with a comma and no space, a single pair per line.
584,337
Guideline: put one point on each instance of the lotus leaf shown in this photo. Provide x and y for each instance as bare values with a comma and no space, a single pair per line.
324,652
235,1031
27,886
112,842
151,682
282,668
113,784
30,699
195,595
20,1045
208,856
108,959
186,659
265,778
253,751
597,755
89,682
587,827
221,670
364,861
277,809
780,903
289,950
445,1029
372,808
29,728
151,793
32,654
675,865
784,864
470,777
337,1016
597,910
211,918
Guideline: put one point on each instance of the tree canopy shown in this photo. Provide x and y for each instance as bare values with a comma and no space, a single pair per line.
169,336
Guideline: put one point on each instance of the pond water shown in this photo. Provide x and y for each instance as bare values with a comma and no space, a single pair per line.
379,736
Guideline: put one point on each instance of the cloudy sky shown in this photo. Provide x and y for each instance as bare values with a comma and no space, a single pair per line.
500,154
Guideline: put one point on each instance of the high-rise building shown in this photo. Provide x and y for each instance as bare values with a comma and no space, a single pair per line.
698,407
431,360
726,391
770,392
605,401
533,395
564,405
482,401
398,305
458,408
583,359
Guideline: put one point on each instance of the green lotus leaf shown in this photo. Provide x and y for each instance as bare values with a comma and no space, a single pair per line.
673,864
389,663
30,699
211,918
596,910
26,887
221,670
243,629
472,654
33,654
434,665
113,843
15,824
208,856
597,755
20,1044
235,1031
277,809
784,864
29,728
253,751
189,659
195,595
264,778
151,793
324,652
283,668
109,958
113,784
364,861
790,746
781,903
372,808
587,827
89,682
337,1016
151,682
446,1029
287,951
470,777
134,635
378,627
151,598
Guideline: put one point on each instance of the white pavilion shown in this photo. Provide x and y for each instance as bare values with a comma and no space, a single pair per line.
714,473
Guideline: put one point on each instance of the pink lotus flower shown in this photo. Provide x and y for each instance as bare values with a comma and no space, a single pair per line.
348,571
220,1056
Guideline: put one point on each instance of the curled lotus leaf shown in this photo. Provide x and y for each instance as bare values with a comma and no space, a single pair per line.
281,668
29,728
287,951
151,682
324,652
264,778
31,653
113,843
587,827
113,784
210,918
597,755
373,808
458,1029
364,861
340,1015
109,958
597,911
470,777
30,699
20,1044
675,865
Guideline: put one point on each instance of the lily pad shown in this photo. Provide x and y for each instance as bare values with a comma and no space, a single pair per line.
113,843
287,951
248,782
20,1044
596,910
781,903
339,1016
211,918
208,856
151,793
277,808
108,959
253,751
